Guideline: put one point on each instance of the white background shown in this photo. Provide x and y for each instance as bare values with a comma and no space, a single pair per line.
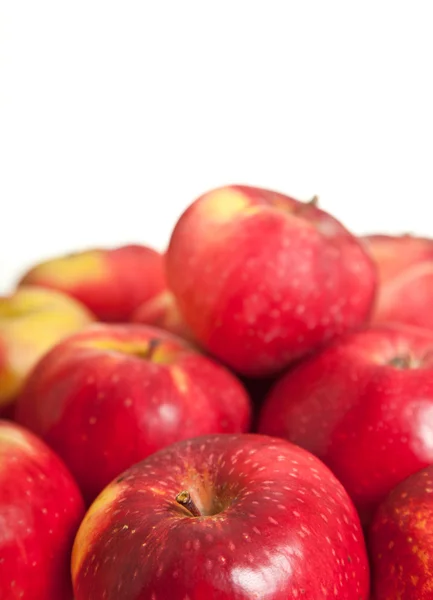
115,115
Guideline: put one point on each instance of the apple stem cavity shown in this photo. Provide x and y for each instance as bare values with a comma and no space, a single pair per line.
404,361
184,499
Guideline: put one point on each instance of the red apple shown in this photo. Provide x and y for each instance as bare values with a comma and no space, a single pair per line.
111,282
262,279
162,311
32,320
401,541
40,511
405,267
113,394
364,406
222,517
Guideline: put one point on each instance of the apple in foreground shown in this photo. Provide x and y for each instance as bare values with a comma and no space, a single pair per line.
405,268
32,320
263,279
227,517
111,282
364,406
40,511
401,541
162,311
113,394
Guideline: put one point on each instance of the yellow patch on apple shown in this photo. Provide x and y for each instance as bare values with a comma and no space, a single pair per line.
92,524
15,438
223,204
73,269
180,379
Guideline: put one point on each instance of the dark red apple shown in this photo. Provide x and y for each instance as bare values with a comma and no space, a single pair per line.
405,267
364,406
222,517
40,511
113,394
262,279
401,541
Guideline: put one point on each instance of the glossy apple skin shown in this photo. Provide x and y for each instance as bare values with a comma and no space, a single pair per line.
102,405
405,267
369,421
162,311
401,541
111,282
262,279
276,525
32,320
40,511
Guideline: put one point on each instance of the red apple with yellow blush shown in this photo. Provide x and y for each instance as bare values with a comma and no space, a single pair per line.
32,320
110,396
222,517
262,279
111,282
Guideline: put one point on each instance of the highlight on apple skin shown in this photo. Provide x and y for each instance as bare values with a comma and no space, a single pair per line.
111,282
401,541
364,406
41,509
113,394
405,268
32,320
262,279
222,516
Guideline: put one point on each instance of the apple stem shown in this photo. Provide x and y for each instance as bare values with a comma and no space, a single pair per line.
184,499
153,345
314,201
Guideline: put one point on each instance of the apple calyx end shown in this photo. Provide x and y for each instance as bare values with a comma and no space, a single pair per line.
184,499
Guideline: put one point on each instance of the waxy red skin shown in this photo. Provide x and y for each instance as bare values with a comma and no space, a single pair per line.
40,511
401,541
111,282
405,268
262,279
278,526
370,422
103,407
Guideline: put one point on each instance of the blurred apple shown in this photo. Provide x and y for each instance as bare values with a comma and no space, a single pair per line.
405,267
32,320
162,311
111,282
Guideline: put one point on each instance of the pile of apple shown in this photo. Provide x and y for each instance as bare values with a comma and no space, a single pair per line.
246,416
